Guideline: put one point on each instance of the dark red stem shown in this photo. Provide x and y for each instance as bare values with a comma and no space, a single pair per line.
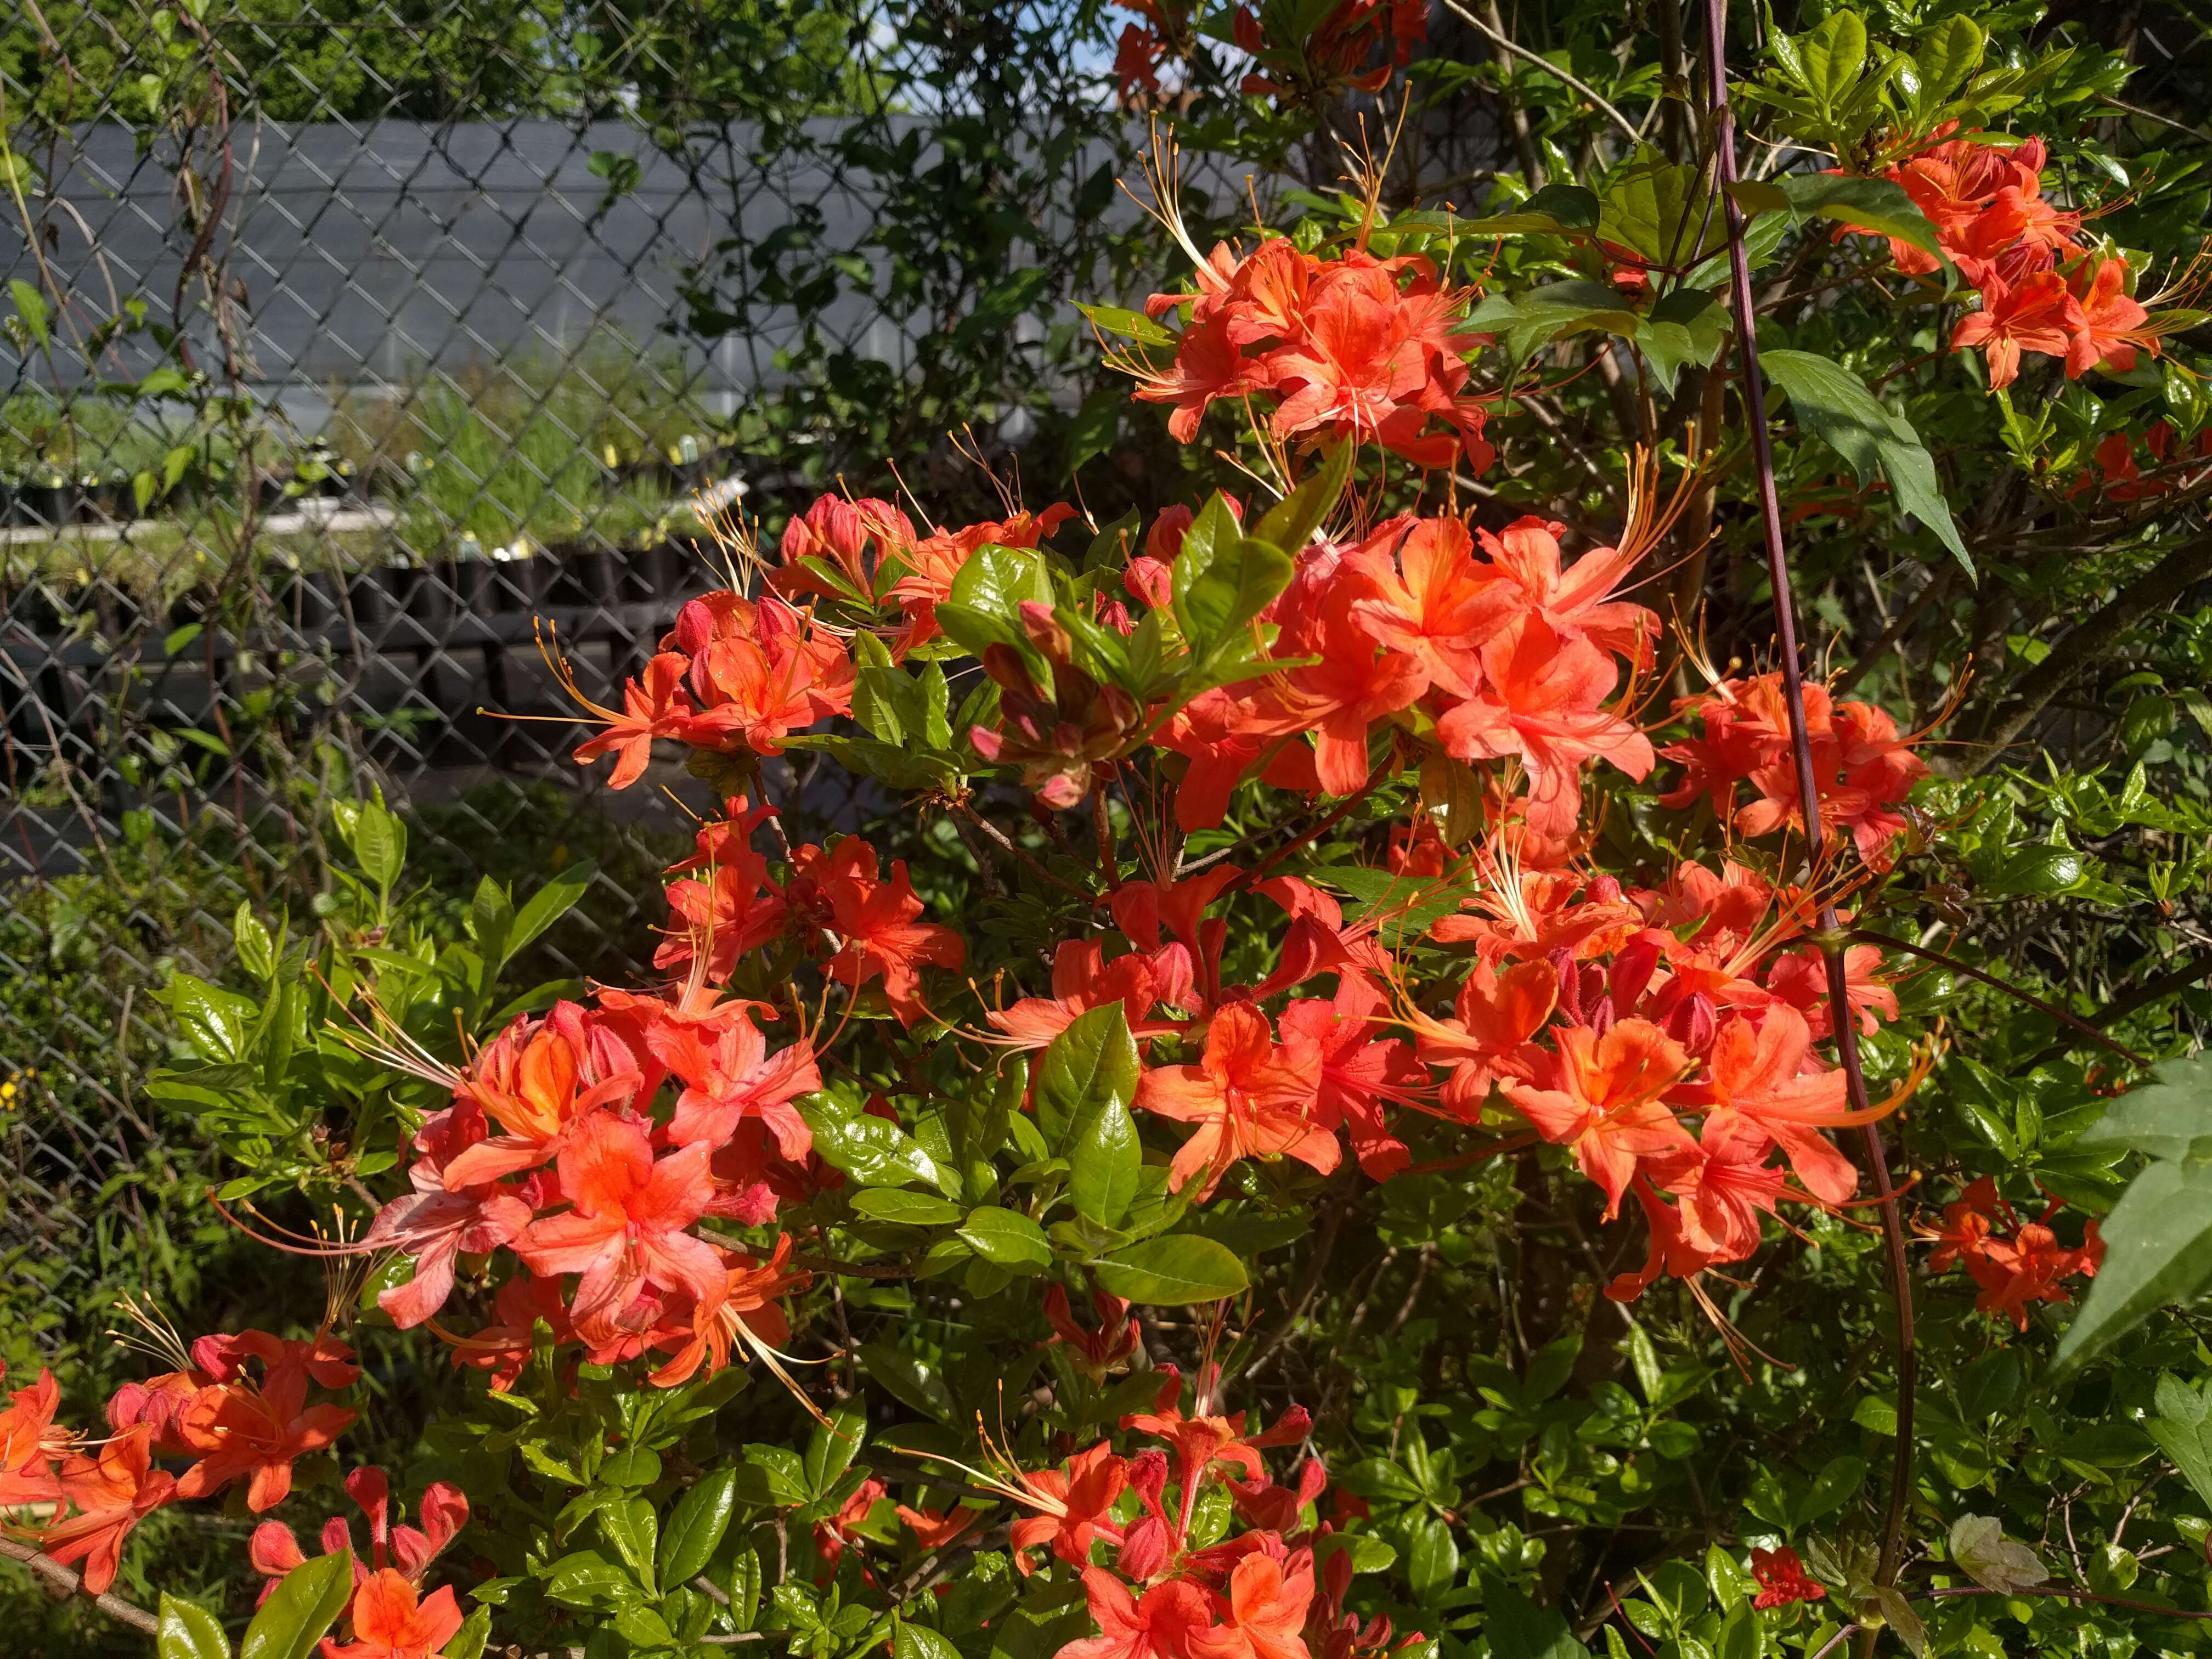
1808,793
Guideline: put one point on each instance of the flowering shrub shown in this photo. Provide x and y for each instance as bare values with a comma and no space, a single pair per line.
1345,983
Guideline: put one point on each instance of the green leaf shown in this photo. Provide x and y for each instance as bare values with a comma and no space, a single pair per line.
215,1022
1519,1628
1544,314
2168,1117
1084,1082
1554,210
1109,1160
1096,429
189,1630
1290,524
1831,56
548,905
1945,56
31,306
916,1641
1831,1488
632,1527
1223,579
2183,1432
696,1527
300,1608
1875,205
873,1152
1688,326
1992,1560
257,951
1834,405
474,1636
379,843
831,1451
1130,325
1660,210
1007,1238
906,1209
2158,1248
1433,1562
1741,1637
1172,1270
589,1579
906,1379
1091,1062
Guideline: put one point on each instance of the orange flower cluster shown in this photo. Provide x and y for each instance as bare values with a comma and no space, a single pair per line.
2012,1269
1348,346
2041,291
1337,53
1163,1595
1664,1036
1511,651
232,1424
1863,768
589,1144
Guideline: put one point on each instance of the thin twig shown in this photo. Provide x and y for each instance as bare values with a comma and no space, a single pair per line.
1323,1248
1841,1022
1507,44
1001,839
2067,1594
54,1572
1862,936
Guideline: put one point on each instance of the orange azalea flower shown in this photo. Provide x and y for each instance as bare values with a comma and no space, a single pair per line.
1577,602
747,1313
537,1083
652,708
1599,1095
391,1619
111,1496
29,1443
1169,1622
1082,980
2111,321
875,917
630,1225
1544,703
1436,603
1248,1097
238,1431
1267,1604
1761,1085
2035,314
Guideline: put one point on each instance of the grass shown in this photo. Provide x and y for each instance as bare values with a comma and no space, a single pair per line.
542,448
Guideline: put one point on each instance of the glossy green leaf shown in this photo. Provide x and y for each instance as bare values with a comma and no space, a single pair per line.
633,1528
548,904
301,1607
1519,1628
1223,579
1291,523
189,1630
1007,1238
1876,205
1172,1270
696,1527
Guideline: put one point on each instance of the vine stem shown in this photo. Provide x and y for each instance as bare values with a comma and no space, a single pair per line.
1809,794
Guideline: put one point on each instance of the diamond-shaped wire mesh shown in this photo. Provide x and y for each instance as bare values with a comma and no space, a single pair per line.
345,338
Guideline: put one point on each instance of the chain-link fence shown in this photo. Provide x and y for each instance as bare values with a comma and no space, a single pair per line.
346,339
